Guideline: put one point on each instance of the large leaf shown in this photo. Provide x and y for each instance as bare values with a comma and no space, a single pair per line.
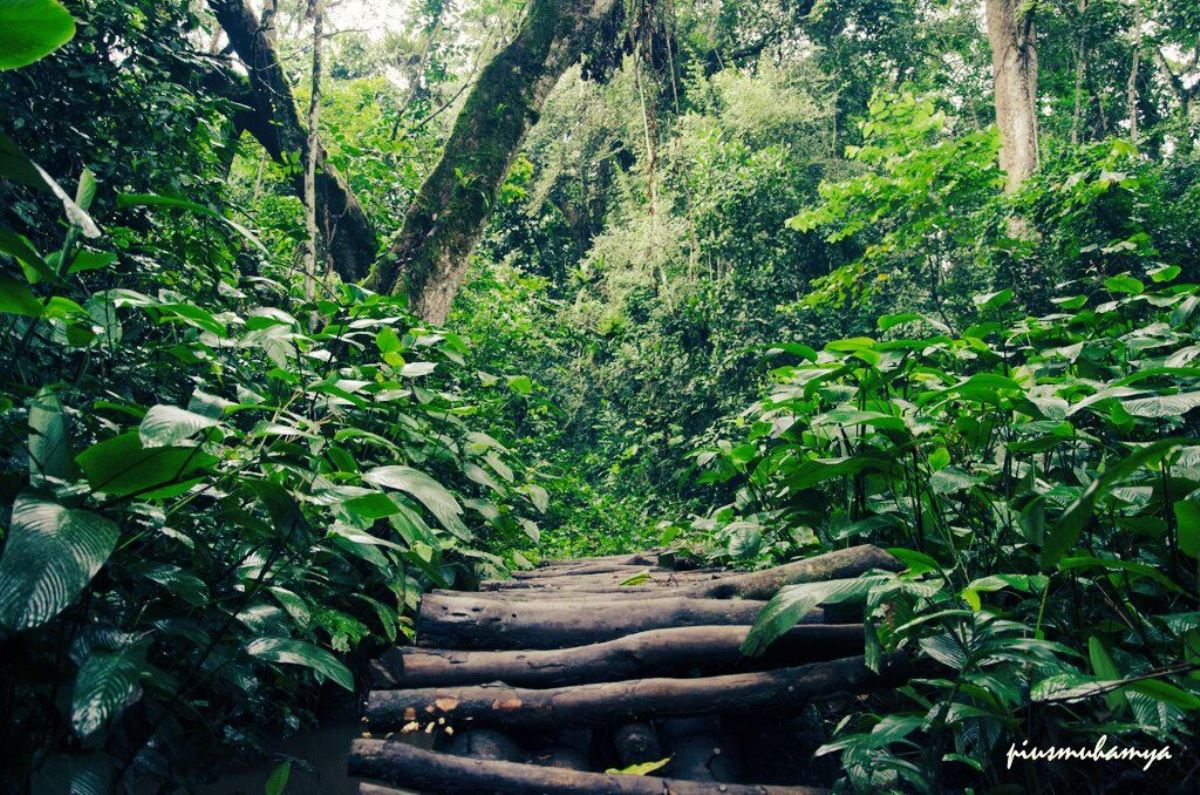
429,492
298,652
164,426
51,553
793,602
1066,530
122,466
17,299
104,684
50,453
32,29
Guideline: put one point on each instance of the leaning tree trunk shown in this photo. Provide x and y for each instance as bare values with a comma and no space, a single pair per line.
1011,34
430,255
349,237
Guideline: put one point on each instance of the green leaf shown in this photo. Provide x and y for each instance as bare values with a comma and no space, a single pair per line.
1124,284
1161,406
1187,521
639,769
433,495
278,779
17,299
1166,693
1165,273
793,602
637,579
986,301
50,554
121,466
50,454
184,584
104,684
166,426
32,29
1066,530
521,384
298,652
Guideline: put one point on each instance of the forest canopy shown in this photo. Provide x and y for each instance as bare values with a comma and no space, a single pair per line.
308,309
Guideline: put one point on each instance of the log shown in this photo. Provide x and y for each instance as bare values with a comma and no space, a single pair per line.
841,564
464,622
606,582
779,691
660,652
561,572
410,767
649,558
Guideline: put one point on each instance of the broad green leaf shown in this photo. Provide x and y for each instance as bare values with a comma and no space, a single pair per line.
32,29
1104,668
433,495
521,384
50,555
184,584
1187,522
1161,406
298,652
122,466
103,686
1124,284
50,454
166,426
637,579
278,779
793,602
17,299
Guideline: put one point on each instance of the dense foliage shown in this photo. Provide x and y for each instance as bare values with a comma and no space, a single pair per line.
752,286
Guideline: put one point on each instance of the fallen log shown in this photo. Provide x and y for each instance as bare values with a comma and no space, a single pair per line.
606,581
563,572
466,622
402,764
838,565
778,691
660,652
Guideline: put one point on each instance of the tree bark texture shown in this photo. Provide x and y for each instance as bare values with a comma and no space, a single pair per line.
465,622
662,652
777,691
410,767
1011,34
430,255
275,123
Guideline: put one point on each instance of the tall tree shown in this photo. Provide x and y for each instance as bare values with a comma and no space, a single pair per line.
1011,35
348,234
429,257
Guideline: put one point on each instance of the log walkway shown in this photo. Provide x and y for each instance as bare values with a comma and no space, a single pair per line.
554,681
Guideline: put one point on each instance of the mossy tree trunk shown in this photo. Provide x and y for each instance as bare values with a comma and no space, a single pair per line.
350,240
430,255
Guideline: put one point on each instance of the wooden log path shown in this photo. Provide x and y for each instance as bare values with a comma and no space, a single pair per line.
557,679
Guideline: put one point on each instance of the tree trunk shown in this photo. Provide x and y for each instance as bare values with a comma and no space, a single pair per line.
275,122
312,247
1131,89
1011,34
778,691
431,772
432,252
450,622
661,652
